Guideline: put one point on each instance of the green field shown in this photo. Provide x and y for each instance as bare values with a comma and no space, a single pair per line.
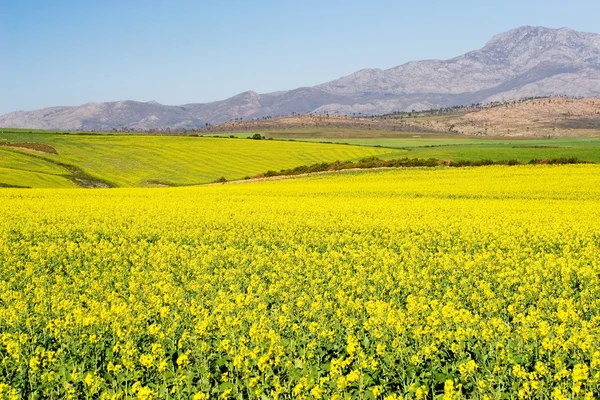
135,160
459,148
449,146
121,160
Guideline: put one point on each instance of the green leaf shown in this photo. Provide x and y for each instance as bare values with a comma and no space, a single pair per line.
221,361
440,377
224,386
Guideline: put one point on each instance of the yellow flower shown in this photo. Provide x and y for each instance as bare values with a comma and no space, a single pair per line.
253,381
377,391
353,376
557,394
34,363
89,379
580,373
352,343
317,392
162,366
147,360
467,368
136,387
75,376
145,393
183,360
157,349
154,329
421,392
449,393
301,288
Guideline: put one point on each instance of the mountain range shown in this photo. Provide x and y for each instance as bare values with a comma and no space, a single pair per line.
523,62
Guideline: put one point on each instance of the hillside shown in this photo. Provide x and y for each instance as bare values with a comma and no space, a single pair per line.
543,117
57,160
551,117
524,62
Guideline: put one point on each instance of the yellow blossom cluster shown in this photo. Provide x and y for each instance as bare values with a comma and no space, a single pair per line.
476,283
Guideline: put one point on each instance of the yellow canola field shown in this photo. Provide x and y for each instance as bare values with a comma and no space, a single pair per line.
476,283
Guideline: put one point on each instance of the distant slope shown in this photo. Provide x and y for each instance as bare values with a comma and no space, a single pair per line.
103,116
524,62
548,117
541,117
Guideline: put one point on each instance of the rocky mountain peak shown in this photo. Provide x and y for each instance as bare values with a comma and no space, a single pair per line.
527,44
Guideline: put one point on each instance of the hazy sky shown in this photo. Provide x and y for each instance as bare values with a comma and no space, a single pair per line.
56,52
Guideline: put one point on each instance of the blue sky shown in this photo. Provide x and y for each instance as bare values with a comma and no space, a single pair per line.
56,52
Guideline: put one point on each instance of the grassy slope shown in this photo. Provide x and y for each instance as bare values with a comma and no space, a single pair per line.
21,178
19,161
18,169
135,160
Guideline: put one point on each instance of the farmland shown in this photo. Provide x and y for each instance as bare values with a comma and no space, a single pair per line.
417,283
134,160
53,159
524,150
452,147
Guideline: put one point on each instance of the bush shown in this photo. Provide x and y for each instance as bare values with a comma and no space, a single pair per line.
564,160
374,162
481,163
221,180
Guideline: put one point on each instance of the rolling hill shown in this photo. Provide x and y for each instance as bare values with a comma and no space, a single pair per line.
58,160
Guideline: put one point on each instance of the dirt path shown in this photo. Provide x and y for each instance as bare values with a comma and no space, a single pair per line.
38,148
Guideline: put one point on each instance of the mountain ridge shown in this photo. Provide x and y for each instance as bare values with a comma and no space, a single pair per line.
524,62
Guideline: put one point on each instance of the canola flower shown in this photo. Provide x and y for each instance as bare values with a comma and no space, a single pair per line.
474,283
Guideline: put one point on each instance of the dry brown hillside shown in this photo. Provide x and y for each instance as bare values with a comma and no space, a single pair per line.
539,117
546,117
